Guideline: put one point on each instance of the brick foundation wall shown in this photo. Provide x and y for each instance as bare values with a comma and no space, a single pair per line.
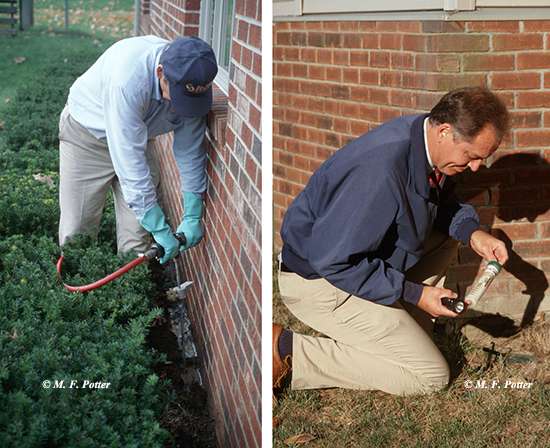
334,81
174,18
225,301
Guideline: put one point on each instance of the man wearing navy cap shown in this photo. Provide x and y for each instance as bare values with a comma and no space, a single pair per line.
138,89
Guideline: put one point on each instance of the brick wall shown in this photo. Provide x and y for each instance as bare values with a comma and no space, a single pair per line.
334,81
225,301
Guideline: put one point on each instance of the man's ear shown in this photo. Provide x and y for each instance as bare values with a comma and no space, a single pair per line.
444,130
159,72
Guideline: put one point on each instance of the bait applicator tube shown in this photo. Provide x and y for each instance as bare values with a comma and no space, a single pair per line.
489,274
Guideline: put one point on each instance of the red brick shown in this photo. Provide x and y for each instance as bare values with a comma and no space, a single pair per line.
533,175
444,82
426,62
349,26
371,41
334,74
536,25
365,26
389,25
324,56
380,59
515,81
532,61
341,57
379,96
390,41
353,41
401,98
413,42
486,178
317,72
390,78
533,249
387,114
515,195
532,213
474,196
526,119
412,26
351,75
488,62
517,42
299,70
511,26
515,231
526,139
529,100
458,43
545,232
369,77
402,61
359,58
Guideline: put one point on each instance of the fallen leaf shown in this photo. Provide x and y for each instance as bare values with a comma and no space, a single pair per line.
19,60
275,422
302,438
44,179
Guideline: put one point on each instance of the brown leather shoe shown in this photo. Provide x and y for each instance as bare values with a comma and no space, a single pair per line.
281,368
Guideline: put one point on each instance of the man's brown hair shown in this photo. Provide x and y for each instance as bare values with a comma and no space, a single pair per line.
468,110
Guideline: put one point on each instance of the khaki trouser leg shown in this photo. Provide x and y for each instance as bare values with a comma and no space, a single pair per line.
86,174
369,346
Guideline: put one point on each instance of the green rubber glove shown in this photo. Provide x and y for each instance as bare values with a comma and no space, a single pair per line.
191,224
154,221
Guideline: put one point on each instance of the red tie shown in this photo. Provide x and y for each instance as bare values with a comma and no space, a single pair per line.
435,178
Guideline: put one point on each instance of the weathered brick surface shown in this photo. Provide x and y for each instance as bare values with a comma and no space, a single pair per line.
355,75
225,301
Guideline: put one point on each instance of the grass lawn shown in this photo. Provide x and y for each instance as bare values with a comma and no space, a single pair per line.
478,409
93,27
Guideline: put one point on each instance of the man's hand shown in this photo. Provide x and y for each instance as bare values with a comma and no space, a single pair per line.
489,247
191,224
430,301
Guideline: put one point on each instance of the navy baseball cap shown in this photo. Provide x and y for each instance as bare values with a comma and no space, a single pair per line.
190,67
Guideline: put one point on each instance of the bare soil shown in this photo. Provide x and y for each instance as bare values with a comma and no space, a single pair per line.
187,416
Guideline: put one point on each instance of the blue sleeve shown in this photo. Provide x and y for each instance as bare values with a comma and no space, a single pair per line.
454,218
190,154
126,135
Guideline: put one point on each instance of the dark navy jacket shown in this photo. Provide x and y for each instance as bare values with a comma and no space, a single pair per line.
366,213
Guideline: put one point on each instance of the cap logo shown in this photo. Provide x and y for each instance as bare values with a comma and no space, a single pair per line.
198,89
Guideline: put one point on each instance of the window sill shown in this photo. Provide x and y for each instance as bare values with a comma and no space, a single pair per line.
217,117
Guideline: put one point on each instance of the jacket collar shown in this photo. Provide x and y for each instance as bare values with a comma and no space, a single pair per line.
420,161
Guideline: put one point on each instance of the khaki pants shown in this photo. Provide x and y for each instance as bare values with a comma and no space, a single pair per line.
86,174
369,346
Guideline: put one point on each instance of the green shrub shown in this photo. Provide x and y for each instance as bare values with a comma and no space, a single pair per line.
50,334
28,206
31,158
33,114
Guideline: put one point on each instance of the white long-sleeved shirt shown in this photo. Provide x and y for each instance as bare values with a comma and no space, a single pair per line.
119,101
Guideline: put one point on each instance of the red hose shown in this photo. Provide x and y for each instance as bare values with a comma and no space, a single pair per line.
103,281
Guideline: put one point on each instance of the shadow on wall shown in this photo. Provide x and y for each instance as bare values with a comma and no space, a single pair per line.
516,194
